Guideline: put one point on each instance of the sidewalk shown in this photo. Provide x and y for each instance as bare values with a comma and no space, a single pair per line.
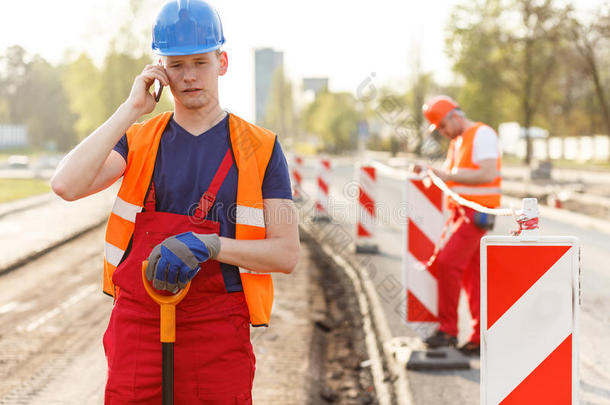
37,224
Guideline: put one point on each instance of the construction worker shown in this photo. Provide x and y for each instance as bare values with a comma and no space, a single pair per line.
472,170
204,196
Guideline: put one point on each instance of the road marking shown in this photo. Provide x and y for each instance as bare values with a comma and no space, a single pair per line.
8,307
41,320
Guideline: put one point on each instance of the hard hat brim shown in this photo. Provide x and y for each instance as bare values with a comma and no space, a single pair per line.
186,50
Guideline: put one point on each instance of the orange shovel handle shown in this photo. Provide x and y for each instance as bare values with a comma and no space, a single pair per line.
167,304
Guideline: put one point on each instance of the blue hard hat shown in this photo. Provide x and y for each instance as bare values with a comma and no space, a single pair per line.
187,27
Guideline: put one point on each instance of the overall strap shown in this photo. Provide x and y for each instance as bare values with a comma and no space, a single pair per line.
208,198
150,205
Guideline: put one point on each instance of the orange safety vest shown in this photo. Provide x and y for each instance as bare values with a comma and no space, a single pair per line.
252,147
459,157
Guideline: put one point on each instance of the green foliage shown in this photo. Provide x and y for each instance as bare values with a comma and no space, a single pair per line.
475,42
333,117
82,81
32,94
506,50
280,116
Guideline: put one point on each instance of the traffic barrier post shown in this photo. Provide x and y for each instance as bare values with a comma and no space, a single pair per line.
365,227
529,316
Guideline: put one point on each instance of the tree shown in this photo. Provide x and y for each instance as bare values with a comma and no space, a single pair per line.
334,118
83,84
33,92
588,40
506,50
117,76
279,112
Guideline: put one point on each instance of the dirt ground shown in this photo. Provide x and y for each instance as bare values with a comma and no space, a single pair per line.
313,353
53,315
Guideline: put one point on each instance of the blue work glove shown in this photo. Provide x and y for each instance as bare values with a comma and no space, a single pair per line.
175,261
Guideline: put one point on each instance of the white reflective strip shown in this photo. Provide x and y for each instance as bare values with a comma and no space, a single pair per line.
125,210
250,216
366,220
113,254
476,190
529,331
424,214
422,284
368,184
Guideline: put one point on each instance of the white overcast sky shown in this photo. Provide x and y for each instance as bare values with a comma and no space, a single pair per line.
343,40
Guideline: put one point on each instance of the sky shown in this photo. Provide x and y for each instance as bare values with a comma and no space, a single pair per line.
347,41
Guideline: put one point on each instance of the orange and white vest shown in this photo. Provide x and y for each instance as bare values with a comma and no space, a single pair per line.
252,147
459,157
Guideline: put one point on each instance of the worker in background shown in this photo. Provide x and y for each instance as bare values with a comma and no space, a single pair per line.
472,170
206,199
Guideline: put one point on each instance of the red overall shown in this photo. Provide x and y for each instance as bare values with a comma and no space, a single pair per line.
214,362
457,266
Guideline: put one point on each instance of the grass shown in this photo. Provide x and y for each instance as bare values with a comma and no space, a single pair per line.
14,189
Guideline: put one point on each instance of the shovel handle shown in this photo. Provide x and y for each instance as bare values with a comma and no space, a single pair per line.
167,305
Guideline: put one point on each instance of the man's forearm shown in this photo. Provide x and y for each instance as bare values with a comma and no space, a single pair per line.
265,255
77,170
472,176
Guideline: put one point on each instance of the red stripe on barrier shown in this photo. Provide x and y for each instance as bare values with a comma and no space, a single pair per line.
322,185
416,311
419,245
362,232
326,164
512,270
297,176
366,202
319,207
299,160
549,383
370,170
432,193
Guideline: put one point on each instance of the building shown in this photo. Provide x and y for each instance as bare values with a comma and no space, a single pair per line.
13,136
315,84
266,62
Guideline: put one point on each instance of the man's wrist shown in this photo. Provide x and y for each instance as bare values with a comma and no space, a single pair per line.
211,241
129,111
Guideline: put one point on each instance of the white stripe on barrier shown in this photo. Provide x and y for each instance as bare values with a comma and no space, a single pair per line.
367,183
366,221
323,176
250,216
430,225
510,361
422,284
125,210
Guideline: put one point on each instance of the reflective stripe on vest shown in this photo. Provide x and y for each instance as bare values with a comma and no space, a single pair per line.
459,158
252,147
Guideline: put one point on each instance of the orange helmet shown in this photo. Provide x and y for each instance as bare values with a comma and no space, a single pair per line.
437,108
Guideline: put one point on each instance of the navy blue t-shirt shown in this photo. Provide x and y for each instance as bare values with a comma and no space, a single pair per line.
184,169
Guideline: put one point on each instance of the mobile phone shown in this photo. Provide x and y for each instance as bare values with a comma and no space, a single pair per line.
158,90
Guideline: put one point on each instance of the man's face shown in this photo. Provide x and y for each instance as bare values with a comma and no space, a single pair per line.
449,126
193,79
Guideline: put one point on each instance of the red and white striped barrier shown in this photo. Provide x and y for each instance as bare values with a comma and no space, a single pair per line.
365,228
297,178
529,318
322,211
425,223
